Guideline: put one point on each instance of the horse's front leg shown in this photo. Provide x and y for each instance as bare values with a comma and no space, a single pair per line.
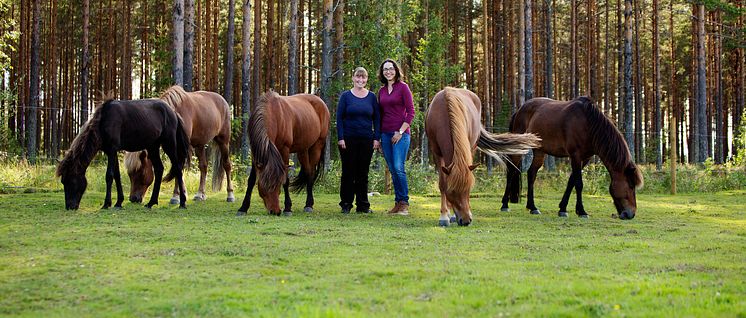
118,180
154,156
288,211
579,209
247,198
110,162
445,218
571,182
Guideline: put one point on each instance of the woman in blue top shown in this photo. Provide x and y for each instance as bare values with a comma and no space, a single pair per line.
359,132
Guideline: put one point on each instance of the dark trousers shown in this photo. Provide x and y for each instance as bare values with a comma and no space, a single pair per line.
355,164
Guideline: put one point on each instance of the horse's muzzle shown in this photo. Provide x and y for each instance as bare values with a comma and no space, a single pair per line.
627,214
135,199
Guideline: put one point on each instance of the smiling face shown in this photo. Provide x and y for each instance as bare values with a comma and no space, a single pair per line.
360,80
389,72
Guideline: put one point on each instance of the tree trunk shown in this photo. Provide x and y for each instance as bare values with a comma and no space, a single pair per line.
245,80
293,49
34,86
529,82
178,34
188,44
549,161
228,92
257,49
656,84
638,84
574,49
339,14
84,64
521,55
700,130
628,133
720,138
326,68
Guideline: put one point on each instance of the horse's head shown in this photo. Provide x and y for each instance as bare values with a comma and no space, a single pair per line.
269,186
457,192
74,185
140,171
623,187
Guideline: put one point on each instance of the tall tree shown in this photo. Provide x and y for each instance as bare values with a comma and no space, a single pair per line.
628,132
228,92
188,44
529,82
720,138
700,130
656,84
33,103
293,49
84,64
574,89
326,66
549,67
178,40
521,57
257,48
245,79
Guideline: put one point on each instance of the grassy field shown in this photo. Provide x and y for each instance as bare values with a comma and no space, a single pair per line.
682,255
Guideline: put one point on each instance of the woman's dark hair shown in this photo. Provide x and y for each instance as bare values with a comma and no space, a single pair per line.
398,77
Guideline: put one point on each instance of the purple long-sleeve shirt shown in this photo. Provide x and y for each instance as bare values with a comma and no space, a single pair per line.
396,108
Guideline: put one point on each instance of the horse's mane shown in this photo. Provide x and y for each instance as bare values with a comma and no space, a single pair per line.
174,96
608,142
263,151
85,145
132,161
460,179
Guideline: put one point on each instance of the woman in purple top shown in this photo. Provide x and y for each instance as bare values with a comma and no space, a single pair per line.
358,131
397,112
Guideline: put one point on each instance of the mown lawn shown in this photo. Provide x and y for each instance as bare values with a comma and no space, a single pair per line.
682,255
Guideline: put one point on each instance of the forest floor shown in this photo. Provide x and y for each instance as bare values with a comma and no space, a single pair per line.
682,255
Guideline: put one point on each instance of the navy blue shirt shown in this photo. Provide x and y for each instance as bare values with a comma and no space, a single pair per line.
358,117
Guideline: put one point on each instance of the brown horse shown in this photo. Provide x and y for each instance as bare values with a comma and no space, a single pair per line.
124,125
575,129
281,125
206,118
454,132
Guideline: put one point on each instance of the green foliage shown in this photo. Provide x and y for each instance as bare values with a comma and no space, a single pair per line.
430,69
740,158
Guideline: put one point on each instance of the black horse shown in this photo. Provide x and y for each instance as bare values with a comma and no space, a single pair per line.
118,125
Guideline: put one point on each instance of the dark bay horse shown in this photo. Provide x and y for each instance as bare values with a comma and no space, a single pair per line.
281,125
124,125
454,132
206,117
579,130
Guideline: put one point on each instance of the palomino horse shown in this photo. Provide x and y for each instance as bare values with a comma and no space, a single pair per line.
454,132
206,118
131,126
575,129
281,125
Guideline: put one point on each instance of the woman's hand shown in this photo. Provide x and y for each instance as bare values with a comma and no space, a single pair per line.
377,145
341,144
397,136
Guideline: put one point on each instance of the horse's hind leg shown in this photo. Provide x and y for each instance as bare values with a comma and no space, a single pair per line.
247,198
537,162
512,182
579,209
112,161
202,162
306,158
225,156
155,158
571,183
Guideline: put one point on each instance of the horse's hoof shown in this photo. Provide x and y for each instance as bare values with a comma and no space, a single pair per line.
504,209
562,214
453,219
287,213
583,216
444,223
183,207
149,206
174,201
308,209
118,208
200,197
535,212
240,213
230,199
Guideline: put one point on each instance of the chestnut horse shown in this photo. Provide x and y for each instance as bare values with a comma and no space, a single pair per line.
206,118
579,130
281,125
124,125
454,132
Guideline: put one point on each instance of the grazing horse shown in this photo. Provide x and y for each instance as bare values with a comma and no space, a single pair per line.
281,125
206,117
579,130
124,125
454,132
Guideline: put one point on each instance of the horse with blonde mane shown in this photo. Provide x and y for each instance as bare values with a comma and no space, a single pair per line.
206,118
454,132
281,125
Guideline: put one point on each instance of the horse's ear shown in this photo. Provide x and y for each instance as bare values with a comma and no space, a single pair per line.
472,167
445,170
634,175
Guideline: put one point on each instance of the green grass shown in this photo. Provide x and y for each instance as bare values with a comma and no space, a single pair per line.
682,255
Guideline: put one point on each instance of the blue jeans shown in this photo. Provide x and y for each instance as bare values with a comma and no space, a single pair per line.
395,155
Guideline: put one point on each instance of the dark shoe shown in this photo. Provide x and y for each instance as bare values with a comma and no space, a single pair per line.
345,211
364,211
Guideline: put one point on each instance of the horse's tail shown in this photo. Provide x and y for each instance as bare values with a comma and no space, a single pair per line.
218,171
182,150
500,145
303,179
